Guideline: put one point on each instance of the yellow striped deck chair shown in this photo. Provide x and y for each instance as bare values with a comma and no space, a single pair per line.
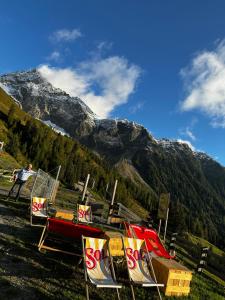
84,213
38,209
139,264
98,264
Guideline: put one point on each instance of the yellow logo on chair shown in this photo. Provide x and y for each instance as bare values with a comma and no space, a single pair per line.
84,213
39,207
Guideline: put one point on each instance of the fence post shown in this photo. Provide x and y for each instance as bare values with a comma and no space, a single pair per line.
85,188
172,244
202,263
112,202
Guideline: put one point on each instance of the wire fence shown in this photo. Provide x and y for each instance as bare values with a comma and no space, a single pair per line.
44,186
127,214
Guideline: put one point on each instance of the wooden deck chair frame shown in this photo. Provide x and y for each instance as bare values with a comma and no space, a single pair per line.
41,244
40,217
86,274
152,269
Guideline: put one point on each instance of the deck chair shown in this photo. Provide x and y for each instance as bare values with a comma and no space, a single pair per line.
98,264
139,264
60,235
84,213
38,209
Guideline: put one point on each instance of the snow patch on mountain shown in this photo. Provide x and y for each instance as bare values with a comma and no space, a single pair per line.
9,91
172,144
55,127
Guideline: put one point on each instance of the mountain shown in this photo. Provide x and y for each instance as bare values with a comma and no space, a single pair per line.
195,181
40,99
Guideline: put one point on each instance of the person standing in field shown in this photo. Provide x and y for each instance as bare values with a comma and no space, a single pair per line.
20,179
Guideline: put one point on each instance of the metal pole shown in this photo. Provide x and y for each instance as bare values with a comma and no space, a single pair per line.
85,187
167,215
160,222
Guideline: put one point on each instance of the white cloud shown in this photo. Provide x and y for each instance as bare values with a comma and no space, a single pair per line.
187,143
54,56
65,35
104,45
102,84
190,134
187,131
135,108
66,79
205,83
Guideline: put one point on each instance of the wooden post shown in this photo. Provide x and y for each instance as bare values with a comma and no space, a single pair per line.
114,192
53,194
130,281
113,270
85,270
31,198
93,184
153,271
85,187
57,176
202,263
112,202
167,215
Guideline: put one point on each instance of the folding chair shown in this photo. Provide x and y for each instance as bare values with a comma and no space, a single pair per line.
38,209
139,264
98,265
84,213
61,233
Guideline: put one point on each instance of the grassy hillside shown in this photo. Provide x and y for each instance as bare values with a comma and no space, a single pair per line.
196,184
7,161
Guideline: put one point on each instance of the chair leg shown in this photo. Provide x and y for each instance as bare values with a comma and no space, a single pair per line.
153,272
132,292
87,291
43,231
118,294
42,243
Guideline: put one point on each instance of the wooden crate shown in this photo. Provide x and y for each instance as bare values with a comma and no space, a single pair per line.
175,277
65,214
115,243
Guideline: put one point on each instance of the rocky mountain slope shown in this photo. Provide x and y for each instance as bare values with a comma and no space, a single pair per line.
196,182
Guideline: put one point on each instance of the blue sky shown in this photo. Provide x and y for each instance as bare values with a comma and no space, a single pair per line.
159,63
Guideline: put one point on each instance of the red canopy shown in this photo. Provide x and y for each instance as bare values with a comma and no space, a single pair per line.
153,242
72,230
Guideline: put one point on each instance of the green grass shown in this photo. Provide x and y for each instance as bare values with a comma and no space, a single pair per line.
8,162
203,243
5,104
